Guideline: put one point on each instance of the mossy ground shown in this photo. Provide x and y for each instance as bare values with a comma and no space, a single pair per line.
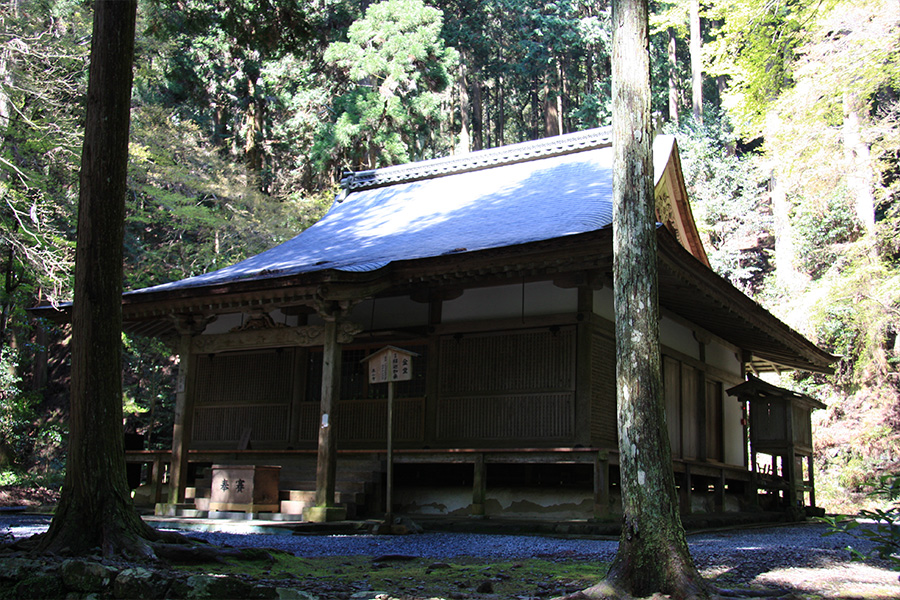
407,577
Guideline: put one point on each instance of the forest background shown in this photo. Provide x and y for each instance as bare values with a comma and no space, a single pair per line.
246,113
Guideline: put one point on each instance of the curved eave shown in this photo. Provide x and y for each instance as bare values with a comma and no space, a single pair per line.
153,313
698,294
673,177
687,287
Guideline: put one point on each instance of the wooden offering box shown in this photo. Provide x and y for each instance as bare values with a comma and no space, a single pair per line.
247,488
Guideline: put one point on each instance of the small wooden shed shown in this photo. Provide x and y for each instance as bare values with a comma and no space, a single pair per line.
781,434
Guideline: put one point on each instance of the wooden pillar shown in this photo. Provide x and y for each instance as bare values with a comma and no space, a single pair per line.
156,468
686,496
812,481
326,465
479,486
753,488
790,469
181,431
601,485
188,326
720,491
791,475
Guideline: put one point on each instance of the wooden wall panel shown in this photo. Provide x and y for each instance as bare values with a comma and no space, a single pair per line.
366,421
519,418
238,390
603,391
226,424
768,421
672,387
508,362
714,420
245,377
802,426
690,412
516,386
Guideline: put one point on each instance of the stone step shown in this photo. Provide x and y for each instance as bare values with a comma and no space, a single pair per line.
341,485
310,497
343,474
197,491
294,507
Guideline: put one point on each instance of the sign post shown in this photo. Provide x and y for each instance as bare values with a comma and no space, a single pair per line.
388,365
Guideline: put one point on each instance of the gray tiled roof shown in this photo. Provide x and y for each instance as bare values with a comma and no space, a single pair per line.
500,197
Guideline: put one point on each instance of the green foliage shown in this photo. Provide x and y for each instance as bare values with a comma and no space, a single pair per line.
756,48
17,413
148,387
856,317
727,199
191,210
397,71
822,230
884,537
43,61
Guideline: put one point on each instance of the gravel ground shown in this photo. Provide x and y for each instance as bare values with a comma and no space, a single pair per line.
796,556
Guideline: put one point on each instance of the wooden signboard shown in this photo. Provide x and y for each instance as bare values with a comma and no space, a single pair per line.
389,364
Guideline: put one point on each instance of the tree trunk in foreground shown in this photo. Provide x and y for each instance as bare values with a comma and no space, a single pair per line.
653,554
95,509
696,62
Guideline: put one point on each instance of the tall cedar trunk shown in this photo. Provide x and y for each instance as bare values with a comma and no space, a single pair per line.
500,121
785,252
672,49
477,118
7,292
488,124
95,509
860,176
563,99
462,84
551,111
653,554
696,62
252,147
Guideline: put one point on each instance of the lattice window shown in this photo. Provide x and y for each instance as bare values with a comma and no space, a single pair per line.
517,385
509,362
245,377
268,423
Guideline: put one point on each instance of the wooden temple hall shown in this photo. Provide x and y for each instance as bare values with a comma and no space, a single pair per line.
491,273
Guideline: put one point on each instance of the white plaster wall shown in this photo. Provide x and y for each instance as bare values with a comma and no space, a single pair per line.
726,359
678,337
603,304
434,500
499,302
560,503
533,503
388,313
733,434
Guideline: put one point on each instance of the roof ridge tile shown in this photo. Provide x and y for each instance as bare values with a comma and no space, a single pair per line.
480,159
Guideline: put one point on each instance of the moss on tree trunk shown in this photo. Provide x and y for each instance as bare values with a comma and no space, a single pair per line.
95,509
653,554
